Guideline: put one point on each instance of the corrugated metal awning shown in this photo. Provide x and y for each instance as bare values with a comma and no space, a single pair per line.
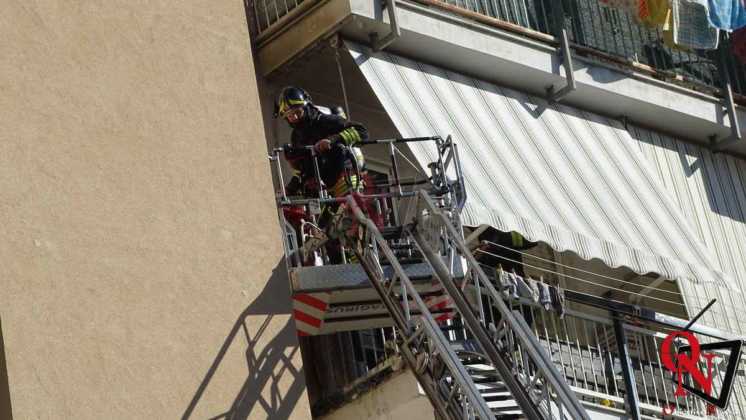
555,174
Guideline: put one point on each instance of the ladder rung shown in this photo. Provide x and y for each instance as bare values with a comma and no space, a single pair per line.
394,232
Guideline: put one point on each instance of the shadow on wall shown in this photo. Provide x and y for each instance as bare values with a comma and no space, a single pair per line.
5,410
273,384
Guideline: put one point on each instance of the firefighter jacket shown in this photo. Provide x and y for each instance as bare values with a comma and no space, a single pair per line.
316,126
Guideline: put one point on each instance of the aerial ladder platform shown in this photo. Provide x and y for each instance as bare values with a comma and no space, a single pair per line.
406,265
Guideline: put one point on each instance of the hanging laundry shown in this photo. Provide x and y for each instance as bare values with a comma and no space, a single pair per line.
534,286
738,44
508,286
558,300
524,288
728,15
545,295
691,26
654,12
512,286
667,30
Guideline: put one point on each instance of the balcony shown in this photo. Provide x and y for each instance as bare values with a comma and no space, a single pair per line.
609,34
622,68
604,33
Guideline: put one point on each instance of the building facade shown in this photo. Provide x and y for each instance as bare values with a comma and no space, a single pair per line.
144,268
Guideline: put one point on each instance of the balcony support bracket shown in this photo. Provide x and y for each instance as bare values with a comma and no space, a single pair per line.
564,51
379,44
718,145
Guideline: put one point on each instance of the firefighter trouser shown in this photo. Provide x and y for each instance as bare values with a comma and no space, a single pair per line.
332,213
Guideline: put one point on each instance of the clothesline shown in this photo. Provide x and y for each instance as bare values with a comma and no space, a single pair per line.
525,254
558,304
579,279
548,297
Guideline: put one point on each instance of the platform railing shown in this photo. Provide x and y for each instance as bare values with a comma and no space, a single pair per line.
391,202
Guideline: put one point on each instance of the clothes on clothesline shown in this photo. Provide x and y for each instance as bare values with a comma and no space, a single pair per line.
525,288
545,296
691,27
549,297
654,12
686,24
509,285
558,301
728,15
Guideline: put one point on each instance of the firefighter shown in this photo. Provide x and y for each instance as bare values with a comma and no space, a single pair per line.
333,138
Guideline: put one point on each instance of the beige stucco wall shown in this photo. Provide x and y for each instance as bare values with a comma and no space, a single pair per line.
140,262
396,398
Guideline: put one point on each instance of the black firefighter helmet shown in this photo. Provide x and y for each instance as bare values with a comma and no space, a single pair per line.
289,98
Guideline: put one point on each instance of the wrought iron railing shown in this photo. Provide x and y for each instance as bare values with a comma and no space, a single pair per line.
617,36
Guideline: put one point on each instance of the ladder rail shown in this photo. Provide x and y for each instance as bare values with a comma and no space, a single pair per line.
428,385
475,326
369,261
430,216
